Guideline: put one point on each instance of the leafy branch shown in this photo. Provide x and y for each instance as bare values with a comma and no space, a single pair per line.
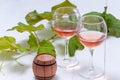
32,18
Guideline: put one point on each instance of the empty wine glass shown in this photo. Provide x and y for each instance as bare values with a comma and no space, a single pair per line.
91,35
66,21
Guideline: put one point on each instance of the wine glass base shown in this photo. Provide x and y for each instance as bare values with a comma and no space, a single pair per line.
91,74
68,64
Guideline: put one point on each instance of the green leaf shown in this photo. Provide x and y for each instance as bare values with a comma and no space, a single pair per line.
113,24
46,15
34,17
74,45
7,42
66,3
29,28
33,42
46,47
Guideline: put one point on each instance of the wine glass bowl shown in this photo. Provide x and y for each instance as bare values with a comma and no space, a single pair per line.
92,33
66,23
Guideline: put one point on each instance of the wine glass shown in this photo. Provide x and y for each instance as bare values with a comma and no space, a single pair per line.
66,21
92,33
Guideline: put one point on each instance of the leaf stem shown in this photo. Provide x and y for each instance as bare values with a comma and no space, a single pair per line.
1,66
53,37
104,12
19,63
20,56
38,41
105,9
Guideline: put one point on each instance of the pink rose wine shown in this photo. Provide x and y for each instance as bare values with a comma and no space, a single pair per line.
65,30
91,39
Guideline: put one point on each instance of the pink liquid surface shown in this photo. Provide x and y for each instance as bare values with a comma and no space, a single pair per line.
65,31
91,39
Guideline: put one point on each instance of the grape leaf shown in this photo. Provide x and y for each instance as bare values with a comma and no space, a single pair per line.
46,47
33,17
66,3
23,27
74,44
113,24
46,15
7,42
33,42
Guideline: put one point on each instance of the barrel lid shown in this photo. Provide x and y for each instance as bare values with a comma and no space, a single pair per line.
44,59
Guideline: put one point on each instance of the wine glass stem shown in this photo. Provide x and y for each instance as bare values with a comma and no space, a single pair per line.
91,69
66,50
105,59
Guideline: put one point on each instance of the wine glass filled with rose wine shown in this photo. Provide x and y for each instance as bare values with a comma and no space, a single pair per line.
66,21
91,35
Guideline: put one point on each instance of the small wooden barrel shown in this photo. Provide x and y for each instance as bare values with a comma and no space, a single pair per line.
44,67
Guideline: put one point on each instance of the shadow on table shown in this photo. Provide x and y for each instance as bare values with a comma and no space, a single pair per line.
19,69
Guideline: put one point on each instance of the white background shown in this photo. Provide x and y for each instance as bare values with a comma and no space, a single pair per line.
14,11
